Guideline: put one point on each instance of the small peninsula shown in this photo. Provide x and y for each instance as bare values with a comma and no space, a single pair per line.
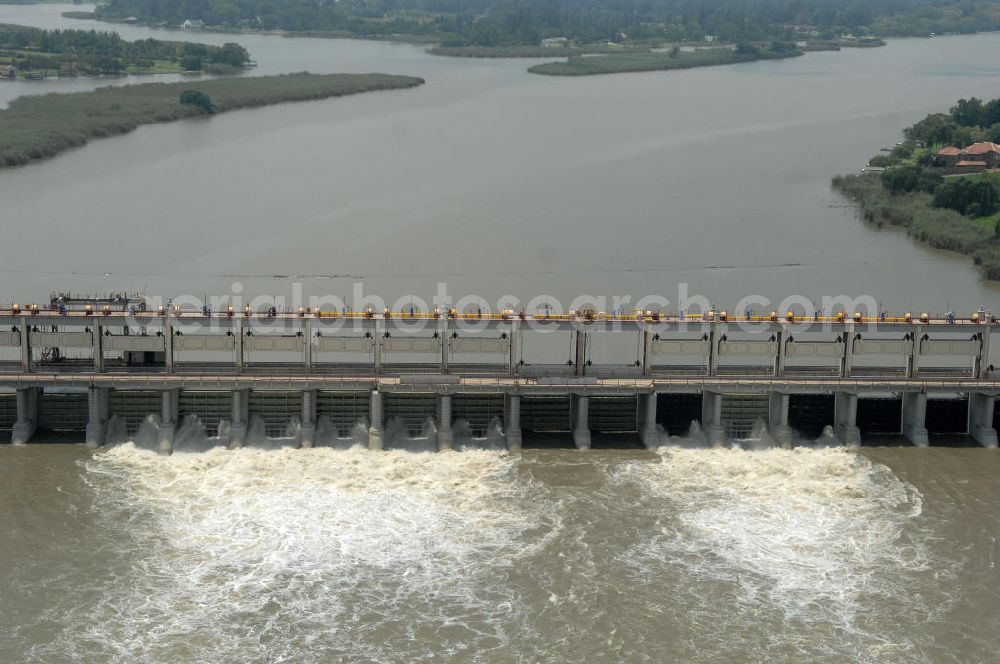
38,127
942,184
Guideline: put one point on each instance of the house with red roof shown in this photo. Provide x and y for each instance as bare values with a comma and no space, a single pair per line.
987,152
972,159
949,156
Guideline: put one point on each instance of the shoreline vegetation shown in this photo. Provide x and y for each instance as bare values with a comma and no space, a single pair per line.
522,25
675,59
570,51
37,53
38,127
918,186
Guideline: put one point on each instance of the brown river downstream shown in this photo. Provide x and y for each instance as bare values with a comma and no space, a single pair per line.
688,555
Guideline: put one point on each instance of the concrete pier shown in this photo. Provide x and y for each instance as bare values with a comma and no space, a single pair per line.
168,421
981,408
649,433
97,422
777,424
846,416
376,434
238,423
27,415
445,435
914,417
711,418
512,425
581,422
308,430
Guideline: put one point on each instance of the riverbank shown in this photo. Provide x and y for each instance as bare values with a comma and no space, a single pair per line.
38,127
941,184
638,62
940,228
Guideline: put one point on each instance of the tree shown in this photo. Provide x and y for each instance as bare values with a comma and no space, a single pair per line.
993,133
199,99
976,198
967,112
904,179
935,129
231,54
191,63
991,113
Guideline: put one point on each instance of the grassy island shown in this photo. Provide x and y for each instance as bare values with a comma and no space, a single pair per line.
942,184
37,127
655,61
528,51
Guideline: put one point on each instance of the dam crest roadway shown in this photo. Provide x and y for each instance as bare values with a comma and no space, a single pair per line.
106,368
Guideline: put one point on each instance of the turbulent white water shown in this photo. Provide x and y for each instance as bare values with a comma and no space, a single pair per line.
690,555
270,555
825,540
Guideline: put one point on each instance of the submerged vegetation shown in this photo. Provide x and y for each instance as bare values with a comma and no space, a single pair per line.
36,127
674,59
934,201
92,53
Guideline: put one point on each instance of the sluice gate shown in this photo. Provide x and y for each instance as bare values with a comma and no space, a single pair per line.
809,414
8,411
741,413
547,421
880,416
478,411
948,415
344,410
276,409
133,407
413,411
443,376
63,411
676,411
211,407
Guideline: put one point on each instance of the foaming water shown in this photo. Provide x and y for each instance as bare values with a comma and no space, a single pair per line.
819,537
493,440
327,434
726,554
318,553
397,436
191,436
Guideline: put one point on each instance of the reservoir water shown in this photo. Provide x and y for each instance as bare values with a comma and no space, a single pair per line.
499,182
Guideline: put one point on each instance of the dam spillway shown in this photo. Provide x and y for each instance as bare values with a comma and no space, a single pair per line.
434,380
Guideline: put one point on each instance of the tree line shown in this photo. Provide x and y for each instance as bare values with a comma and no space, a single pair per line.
106,53
968,121
526,22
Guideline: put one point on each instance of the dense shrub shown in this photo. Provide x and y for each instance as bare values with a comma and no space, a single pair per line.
905,179
975,198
